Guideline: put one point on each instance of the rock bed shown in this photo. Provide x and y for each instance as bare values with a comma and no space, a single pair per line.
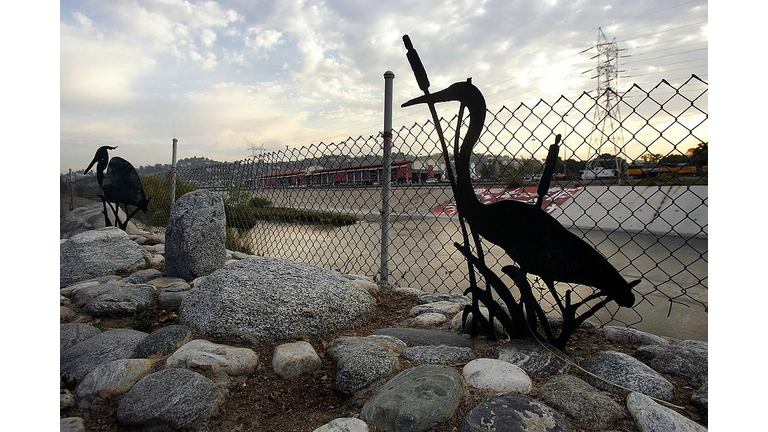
396,372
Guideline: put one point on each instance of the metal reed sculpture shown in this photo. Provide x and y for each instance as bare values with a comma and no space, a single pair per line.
120,185
537,243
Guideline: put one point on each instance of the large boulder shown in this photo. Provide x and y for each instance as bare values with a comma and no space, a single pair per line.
78,360
678,360
513,412
89,218
169,399
99,252
74,333
363,361
580,401
532,357
628,373
270,299
650,416
196,234
416,399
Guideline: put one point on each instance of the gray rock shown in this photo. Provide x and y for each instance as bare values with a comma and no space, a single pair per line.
443,307
497,375
66,399
67,315
195,237
72,334
240,255
460,326
166,282
686,363
649,416
84,295
580,401
293,359
701,398
171,292
436,297
209,356
123,301
406,291
695,344
632,336
345,424
144,276
140,240
270,299
357,370
163,341
416,399
71,424
417,337
99,252
89,218
344,275
171,300
72,289
344,345
627,372
429,319
156,248
362,361
532,357
441,354
75,362
111,379
194,398
512,412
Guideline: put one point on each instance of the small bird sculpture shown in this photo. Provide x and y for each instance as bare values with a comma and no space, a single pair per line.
120,185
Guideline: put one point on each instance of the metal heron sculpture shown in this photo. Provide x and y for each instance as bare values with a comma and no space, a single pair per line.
120,185
535,240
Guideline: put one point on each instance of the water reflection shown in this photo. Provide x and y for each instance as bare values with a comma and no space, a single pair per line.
673,269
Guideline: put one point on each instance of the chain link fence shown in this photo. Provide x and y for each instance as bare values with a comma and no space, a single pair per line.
631,181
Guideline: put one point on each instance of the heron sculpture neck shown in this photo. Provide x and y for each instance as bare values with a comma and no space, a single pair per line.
471,97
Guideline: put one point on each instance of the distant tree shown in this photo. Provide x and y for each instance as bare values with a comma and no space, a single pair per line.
674,159
574,166
698,155
651,158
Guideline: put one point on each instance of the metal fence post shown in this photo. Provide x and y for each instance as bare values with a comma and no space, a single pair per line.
71,192
173,173
389,78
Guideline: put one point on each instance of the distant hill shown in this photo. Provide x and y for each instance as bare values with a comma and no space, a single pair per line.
192,162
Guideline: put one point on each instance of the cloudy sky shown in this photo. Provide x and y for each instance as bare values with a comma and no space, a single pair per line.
223,75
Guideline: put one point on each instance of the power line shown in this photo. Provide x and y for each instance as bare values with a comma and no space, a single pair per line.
667,55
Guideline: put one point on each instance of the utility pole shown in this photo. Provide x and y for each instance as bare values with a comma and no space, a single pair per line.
607,118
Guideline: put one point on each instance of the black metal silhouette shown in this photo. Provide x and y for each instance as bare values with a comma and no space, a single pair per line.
528,234
120,185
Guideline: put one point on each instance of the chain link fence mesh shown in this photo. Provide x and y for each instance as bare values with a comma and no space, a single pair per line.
635,190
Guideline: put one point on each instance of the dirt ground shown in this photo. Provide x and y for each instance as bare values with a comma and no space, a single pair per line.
263,401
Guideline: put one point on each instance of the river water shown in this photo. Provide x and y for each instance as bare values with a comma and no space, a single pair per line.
673,269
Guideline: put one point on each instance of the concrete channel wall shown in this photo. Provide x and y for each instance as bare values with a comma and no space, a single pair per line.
659,210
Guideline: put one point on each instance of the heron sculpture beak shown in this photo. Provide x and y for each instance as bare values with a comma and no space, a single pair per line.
452,93
101,155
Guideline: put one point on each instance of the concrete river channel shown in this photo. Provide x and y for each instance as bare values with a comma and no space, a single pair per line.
673,268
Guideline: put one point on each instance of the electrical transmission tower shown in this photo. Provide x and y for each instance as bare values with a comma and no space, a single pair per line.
607,136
